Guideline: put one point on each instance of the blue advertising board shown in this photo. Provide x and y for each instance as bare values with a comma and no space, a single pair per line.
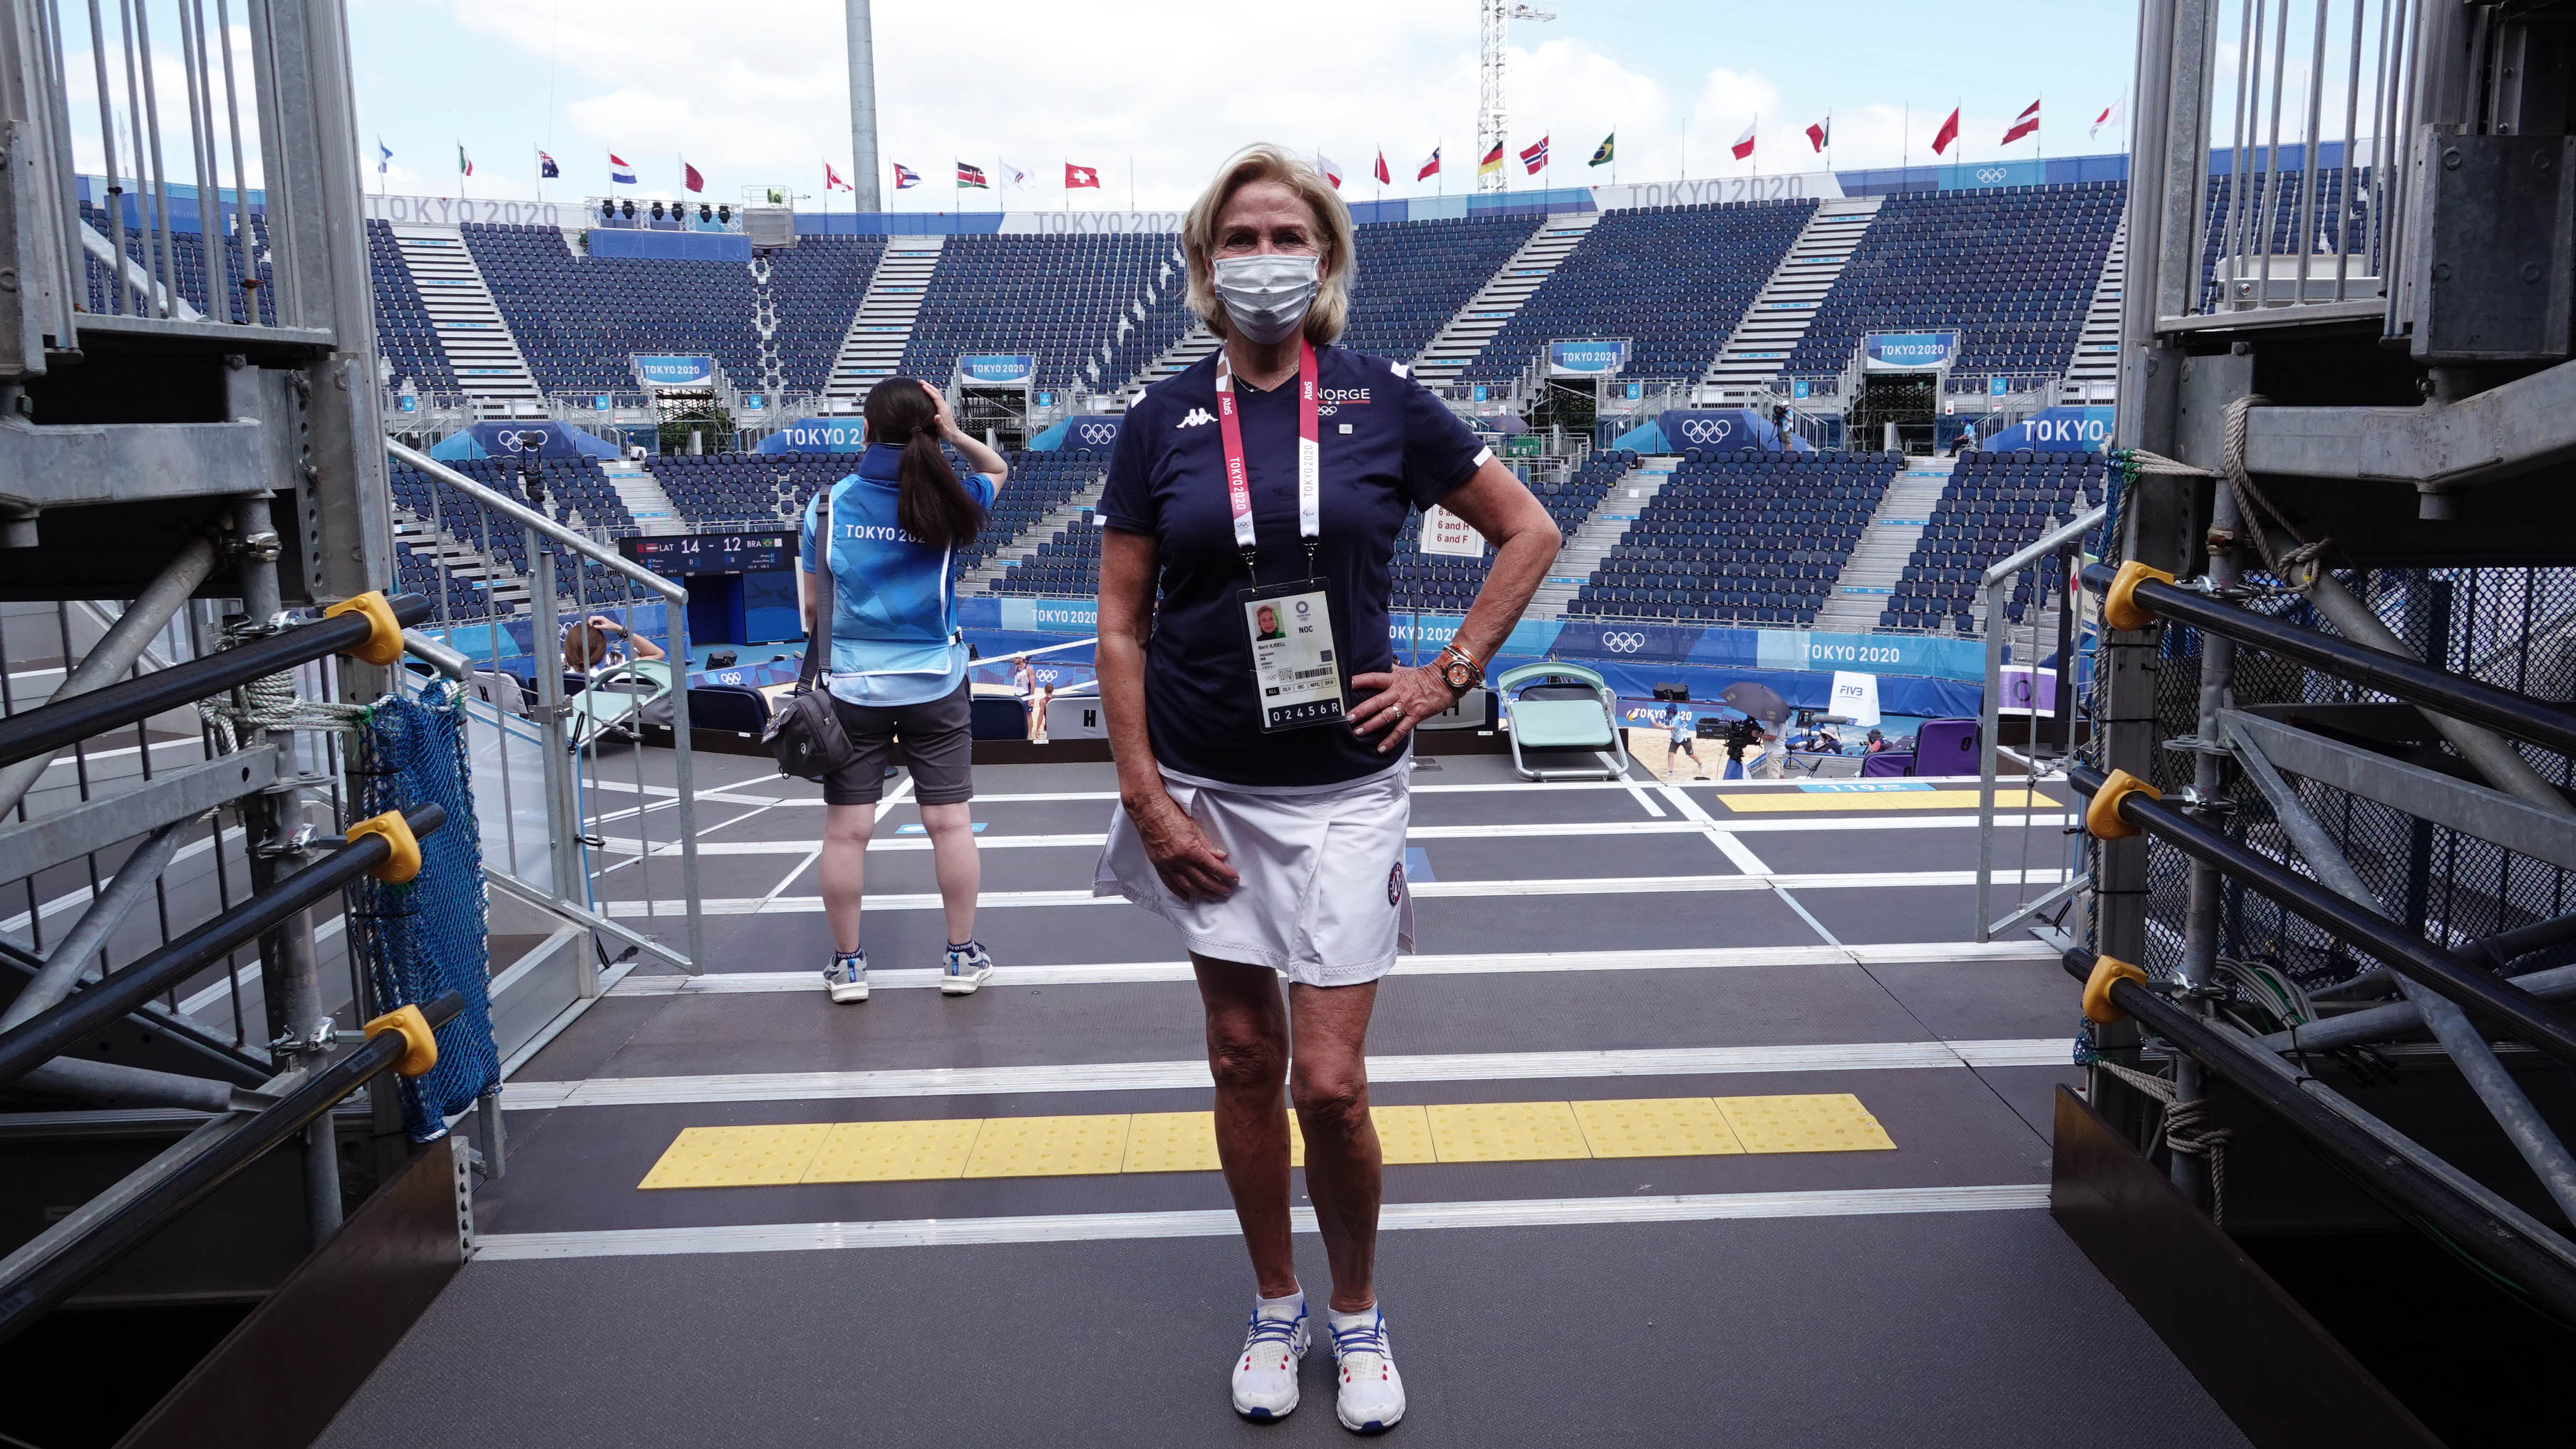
1725,429
1598,358
2056,430
817,435
1093,432
995,369
672,369
1909,351
1998,386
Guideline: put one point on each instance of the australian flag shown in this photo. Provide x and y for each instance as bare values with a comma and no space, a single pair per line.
546,168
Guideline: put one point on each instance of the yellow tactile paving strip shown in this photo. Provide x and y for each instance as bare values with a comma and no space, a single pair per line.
951,1148
1752,802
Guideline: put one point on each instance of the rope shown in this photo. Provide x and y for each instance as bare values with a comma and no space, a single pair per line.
2187,1130
2256,512
271,703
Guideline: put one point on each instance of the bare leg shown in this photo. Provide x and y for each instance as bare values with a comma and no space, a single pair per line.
953,858
1247,1035
844,869
1344,1168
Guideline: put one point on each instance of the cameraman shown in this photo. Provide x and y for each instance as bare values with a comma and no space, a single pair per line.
1741,734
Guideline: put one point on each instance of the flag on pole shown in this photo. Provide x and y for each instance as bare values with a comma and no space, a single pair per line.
2023,125
1332,170
1493,162
689,176
1743,146
1383,175
546,167
832,180
384,154
619,171
1602,154
464,163
1948,133
1080,176
1534,155
1430,166
905,177
969,174
1012,176
2110,115
1821,134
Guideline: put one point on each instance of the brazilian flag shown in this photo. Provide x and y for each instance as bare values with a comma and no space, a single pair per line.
1602,153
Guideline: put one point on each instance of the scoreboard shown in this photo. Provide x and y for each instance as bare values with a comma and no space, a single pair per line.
678,555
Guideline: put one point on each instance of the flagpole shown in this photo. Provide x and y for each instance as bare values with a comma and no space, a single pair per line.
1905,144
1757,143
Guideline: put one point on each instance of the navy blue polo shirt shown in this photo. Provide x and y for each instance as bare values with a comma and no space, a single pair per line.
1389,446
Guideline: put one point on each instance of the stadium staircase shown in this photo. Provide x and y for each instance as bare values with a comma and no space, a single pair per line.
1196,343
1869,576
644,497
471,332
1760,345
981,578
2096,365
506,586
1466,334
873,347
1584,548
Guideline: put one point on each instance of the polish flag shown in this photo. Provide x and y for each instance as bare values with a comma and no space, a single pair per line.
1076,177
2023,125
1948,133
619,170
1430,166
1821,134
1382,174
1332,169
690,178
1743,146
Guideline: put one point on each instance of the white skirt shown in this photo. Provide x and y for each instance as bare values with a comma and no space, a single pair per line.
1322,899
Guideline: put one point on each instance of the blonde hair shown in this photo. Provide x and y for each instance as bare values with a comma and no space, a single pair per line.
1266,162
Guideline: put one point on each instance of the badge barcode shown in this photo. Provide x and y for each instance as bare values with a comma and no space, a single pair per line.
1311,674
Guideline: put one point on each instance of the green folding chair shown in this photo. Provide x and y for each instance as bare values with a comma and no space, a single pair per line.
614,704
1556,711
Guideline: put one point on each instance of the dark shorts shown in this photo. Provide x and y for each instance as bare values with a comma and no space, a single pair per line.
936,745
1688,745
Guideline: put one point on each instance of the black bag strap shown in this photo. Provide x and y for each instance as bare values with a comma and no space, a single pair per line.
818,640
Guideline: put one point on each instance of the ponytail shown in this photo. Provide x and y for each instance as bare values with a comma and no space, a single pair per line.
930,503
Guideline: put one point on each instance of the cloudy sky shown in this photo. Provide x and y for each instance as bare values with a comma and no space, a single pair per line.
756,92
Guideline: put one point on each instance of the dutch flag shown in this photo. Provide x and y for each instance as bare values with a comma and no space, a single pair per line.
619,171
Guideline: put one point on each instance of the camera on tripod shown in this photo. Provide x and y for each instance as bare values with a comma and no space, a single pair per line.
1739,734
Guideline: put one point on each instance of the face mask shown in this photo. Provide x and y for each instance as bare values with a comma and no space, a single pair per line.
1266,297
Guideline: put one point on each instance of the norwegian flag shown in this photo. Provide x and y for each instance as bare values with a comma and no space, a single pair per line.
1430,166
1743,146
1080,176
1948,133
1534,155
2023,125
832,180
1382,174
1821,134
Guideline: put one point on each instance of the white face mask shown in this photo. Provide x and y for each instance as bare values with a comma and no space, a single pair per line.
1266,296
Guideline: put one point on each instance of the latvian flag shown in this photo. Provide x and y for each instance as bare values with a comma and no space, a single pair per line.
1534,155
905,177
1493,162
620,172
2023,125
971,175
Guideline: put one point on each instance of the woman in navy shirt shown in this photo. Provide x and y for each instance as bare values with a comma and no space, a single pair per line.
1260,719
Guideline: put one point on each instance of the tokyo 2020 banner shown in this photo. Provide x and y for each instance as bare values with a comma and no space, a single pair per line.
1586,358
995,369
1909,351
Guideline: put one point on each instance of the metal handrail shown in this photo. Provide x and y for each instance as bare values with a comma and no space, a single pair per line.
1991,718
526,517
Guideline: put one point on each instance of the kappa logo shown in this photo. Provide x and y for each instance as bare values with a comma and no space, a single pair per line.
1193,418
1395,884
1706,430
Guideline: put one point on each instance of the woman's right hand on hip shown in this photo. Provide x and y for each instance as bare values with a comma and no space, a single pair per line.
1192,866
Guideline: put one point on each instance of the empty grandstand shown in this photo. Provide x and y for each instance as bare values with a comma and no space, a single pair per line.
1089,310
1996,503
1754,538
1413,276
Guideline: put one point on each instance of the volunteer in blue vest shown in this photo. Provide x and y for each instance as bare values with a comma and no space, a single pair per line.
1260,721
898,665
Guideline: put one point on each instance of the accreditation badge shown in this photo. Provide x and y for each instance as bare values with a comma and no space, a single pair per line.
1294,672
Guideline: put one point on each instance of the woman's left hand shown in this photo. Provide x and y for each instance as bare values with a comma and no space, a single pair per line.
947,420
1406,696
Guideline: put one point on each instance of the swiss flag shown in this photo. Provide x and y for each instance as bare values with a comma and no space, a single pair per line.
1382,174
690,178
2023,125
1743,146
1948,133
1079,176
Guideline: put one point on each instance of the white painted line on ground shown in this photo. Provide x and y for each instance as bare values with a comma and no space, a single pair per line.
729,983
1221,1223
1636,791
1192,1074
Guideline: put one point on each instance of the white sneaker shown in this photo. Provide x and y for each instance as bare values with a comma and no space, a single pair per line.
1265,1377
847,977
963,971
1372,1392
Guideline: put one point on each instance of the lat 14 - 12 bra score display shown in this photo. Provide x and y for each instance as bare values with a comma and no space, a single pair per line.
676,555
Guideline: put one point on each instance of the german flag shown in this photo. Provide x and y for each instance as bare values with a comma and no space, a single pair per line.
1493,163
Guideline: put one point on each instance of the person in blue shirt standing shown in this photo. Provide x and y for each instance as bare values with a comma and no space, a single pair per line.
898,665
1259,716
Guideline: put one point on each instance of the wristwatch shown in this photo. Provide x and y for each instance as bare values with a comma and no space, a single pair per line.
1459,668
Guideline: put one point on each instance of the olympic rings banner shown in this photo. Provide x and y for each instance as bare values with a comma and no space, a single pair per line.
1724,429
1098,431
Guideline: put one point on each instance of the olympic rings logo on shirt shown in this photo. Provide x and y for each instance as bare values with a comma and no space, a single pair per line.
1622,642
1706,430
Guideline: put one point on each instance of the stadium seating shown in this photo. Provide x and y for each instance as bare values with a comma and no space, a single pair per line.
1065,566
189,249
578,320
1673,279
404,336
724,488
2012,268
1058,299
1996,504
2333,220
1039,484
1413,276
1748,538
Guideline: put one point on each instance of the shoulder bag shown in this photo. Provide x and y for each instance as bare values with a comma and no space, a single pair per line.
805,734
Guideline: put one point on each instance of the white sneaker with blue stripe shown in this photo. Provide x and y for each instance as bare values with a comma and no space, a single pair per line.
1372,1392
965,969
1274,1343
847,977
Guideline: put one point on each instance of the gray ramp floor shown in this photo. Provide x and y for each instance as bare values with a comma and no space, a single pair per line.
1578,944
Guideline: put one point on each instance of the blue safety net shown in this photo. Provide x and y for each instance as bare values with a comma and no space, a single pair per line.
428,936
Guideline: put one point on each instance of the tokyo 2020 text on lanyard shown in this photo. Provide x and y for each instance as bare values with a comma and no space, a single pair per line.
1289,626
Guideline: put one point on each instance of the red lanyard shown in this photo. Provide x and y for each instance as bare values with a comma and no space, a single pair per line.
1238,473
